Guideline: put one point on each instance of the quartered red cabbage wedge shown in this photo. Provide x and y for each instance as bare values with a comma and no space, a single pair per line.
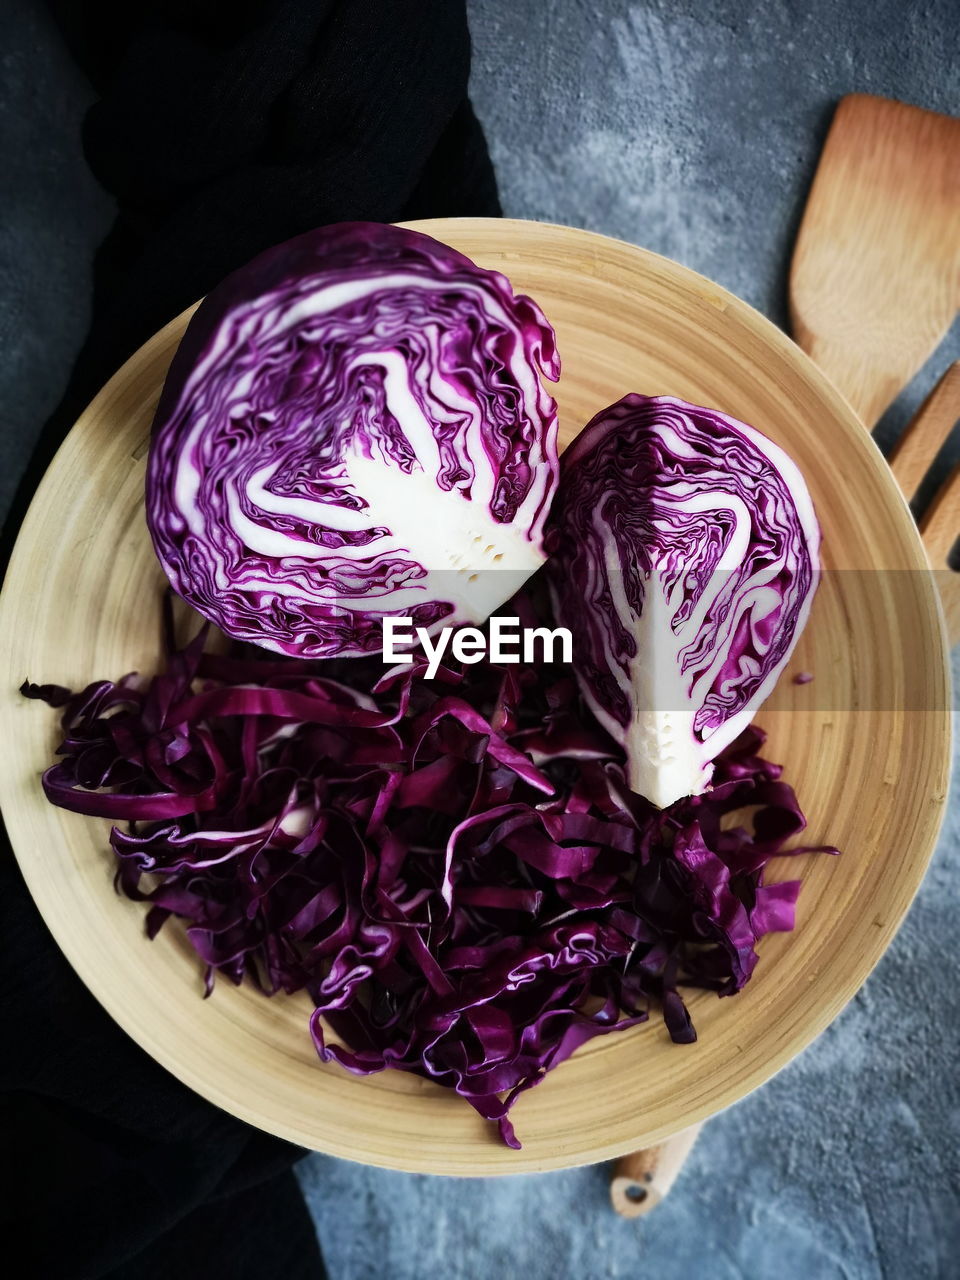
683,556
455,870
354,426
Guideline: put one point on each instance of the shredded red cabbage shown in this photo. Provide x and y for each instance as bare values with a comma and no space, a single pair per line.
455,870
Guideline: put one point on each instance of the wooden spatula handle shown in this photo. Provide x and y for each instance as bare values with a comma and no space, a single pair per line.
641,1180
931,424
940,523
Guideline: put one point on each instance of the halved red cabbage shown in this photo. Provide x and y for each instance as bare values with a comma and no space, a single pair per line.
454,869
683,552
354,426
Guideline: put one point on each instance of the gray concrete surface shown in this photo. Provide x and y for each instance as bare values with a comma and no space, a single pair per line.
691,128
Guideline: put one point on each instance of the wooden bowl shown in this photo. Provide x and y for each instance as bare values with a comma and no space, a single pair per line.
866,744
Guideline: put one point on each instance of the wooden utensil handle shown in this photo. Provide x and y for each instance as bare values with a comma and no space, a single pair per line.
940,523
641,1180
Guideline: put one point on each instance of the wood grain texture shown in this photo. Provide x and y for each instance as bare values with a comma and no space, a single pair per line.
644,1179
867,743
940,523
875,279
930,426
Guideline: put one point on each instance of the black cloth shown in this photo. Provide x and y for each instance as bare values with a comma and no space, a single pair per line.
221,128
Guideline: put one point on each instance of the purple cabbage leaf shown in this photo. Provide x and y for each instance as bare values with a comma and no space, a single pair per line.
354,427
683,556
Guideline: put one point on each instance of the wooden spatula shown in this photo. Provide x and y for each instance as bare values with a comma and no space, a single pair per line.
875,284
875,280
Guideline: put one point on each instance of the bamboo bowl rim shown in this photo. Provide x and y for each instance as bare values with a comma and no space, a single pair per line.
872,778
